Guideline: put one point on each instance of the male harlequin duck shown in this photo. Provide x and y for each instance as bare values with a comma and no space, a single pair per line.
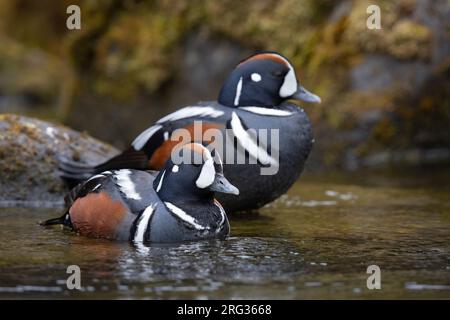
178,205
253,97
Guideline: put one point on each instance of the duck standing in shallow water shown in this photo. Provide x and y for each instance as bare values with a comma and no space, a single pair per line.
178,205
254,97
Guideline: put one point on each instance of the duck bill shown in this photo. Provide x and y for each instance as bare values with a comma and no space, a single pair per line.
221,184
304,95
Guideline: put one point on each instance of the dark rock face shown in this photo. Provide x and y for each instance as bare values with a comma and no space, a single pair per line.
28,166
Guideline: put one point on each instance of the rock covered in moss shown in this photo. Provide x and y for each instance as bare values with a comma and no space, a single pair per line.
28,159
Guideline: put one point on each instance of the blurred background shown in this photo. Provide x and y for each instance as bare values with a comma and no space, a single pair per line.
386,93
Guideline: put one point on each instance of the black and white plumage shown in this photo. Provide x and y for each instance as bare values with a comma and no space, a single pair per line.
177,205
253,97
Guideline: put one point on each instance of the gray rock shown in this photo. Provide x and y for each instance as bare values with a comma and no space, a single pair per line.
381,72
28,166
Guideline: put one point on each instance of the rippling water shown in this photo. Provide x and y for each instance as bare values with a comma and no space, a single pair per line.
315,242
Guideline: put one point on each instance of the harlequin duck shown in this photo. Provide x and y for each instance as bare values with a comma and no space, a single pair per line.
253,97
178,205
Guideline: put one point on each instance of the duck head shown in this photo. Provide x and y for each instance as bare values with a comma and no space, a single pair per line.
264,79
197,177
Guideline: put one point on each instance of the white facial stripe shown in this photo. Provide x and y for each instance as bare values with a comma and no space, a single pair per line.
126,185
208,172
186,112
160,181
143,223
181,214
248,143
207,175
142,139
289,86
238,92
268,111
175,168
256,77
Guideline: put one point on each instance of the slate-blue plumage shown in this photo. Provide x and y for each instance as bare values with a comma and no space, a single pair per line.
175,206
256,96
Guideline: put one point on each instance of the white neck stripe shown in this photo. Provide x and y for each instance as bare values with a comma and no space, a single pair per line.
267,111
181,214
248,143
143,223
222,213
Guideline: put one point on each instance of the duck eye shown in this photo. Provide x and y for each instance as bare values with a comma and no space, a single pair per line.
256,77
278,74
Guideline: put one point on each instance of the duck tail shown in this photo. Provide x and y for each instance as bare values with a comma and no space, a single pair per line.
76,172
72,170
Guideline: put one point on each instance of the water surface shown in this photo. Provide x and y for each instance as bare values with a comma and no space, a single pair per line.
315,242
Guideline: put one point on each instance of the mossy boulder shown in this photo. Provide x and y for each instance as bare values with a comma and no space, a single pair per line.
29,149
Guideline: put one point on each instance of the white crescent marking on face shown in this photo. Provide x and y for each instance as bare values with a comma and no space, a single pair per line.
126,185
248,143
289,86
208,173
181,214
143,223
238,92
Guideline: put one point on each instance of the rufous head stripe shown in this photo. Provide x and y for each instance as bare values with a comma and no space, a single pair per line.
267,56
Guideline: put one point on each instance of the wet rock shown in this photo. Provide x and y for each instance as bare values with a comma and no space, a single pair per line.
28,165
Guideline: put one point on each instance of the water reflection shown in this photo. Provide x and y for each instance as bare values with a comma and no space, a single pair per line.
314,242
235,259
